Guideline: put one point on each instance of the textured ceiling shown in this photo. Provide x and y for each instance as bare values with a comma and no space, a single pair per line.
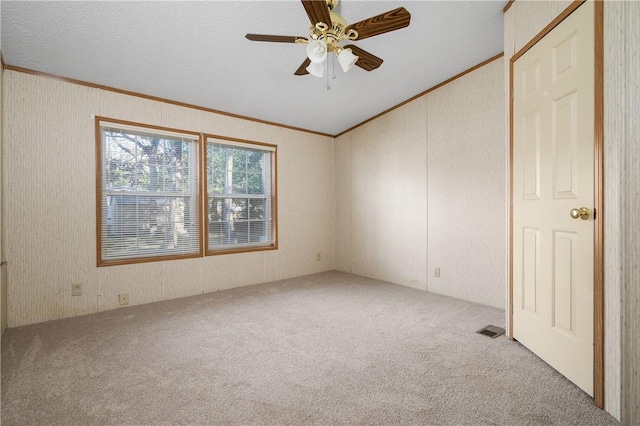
195,52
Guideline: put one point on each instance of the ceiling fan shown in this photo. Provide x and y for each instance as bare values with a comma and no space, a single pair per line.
328,30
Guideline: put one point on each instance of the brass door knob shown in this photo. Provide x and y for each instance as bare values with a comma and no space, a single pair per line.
581,213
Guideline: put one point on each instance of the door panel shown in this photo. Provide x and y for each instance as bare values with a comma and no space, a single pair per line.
530,258
531,155
553,173
565,145
563,281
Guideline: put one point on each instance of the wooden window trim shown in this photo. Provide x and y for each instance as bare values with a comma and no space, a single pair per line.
274,196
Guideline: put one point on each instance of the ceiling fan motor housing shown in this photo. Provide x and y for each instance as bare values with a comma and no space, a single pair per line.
334,34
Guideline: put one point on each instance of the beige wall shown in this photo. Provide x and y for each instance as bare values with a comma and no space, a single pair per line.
3,269
614,128
622,91
423,187
49,176
3,283
466,187
381,197
622,180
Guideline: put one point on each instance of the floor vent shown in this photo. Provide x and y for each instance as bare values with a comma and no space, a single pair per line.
491,331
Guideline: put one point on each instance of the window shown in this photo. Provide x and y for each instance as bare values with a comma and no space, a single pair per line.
148,206
149,202
241,194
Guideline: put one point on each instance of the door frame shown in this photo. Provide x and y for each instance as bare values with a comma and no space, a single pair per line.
598,277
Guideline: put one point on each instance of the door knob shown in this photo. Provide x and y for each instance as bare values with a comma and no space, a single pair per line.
581,213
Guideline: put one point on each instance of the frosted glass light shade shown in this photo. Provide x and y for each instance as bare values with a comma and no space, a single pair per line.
317,51
347,59
316,69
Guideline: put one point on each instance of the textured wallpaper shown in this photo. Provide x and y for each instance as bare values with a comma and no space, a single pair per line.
50,222
343,219
614,130
3,270
381,197
466,187
630,202
424,187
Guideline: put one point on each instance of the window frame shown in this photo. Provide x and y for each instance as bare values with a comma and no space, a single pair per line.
160,130
201,191
244,248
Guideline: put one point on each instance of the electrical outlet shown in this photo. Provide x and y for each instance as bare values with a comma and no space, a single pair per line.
318,257
436,272
123,298
76,289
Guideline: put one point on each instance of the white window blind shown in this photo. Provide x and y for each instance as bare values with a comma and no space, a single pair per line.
148,193
240,186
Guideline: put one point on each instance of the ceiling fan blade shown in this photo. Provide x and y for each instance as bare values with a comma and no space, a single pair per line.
302,70
383,23
366,60
318,11
274,38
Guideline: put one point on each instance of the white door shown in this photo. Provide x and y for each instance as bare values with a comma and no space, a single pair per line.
553,173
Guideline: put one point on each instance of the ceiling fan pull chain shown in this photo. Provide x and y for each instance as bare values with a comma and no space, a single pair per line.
327,73
333,67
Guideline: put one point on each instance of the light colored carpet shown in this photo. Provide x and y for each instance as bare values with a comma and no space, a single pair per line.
331,348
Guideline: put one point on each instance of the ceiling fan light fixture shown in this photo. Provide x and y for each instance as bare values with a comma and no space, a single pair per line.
328,30
317,51
347,59
316,69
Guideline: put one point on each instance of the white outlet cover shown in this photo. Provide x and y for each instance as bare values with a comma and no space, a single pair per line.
76,289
